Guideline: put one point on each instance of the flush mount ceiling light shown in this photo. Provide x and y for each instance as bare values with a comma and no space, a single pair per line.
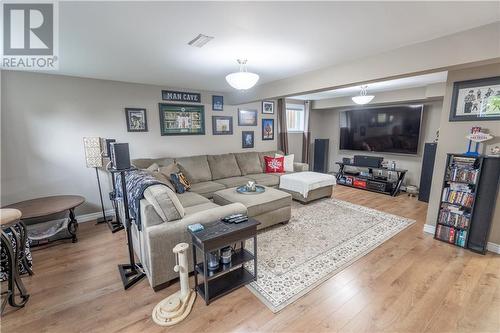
363,98
243,79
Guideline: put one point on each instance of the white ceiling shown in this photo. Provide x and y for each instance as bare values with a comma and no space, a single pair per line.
375,87
146,42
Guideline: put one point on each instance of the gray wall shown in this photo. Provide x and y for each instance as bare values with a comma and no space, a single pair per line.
325,125
452,140
44,118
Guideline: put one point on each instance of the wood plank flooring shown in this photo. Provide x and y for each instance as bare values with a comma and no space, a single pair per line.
411,283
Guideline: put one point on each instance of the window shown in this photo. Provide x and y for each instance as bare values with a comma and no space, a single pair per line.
295,117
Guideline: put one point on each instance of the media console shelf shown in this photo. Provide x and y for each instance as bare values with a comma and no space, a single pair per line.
388,181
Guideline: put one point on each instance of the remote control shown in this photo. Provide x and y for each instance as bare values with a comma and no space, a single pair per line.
231,217
241,219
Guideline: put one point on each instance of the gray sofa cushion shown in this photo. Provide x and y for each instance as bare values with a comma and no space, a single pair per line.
206,189
195,168
233,181
223,166
249,162
200,208
266,179
165,202
189,199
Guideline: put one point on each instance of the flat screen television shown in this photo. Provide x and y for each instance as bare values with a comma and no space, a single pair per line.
387,129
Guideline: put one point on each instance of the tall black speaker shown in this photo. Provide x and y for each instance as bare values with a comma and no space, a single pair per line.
120,156
427,171
321,147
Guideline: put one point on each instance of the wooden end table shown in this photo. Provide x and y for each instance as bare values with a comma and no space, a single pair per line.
44,207
227,277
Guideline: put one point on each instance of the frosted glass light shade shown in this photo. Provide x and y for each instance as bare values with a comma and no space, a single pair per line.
362,99
242,80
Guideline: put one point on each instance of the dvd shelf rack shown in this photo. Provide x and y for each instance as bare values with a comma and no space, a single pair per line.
470,185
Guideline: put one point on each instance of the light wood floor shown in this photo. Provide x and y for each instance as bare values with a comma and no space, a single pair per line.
411,283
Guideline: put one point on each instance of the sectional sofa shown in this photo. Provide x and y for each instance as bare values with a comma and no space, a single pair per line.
210,173
207,175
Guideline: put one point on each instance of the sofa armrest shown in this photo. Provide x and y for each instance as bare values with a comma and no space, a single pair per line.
149,216
299,167
164,236
178,227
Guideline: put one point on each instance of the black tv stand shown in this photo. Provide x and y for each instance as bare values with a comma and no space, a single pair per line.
368,181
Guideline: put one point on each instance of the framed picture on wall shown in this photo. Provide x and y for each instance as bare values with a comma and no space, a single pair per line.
247,139
136,120
475,100
268,107
222,125
180,119
217,103
267,129
247,117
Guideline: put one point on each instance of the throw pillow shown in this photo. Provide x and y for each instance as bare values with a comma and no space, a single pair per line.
274,164
288,161
169,169
162,178
153,167
184,181
180,182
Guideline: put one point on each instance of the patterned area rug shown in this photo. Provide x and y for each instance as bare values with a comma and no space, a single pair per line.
321,239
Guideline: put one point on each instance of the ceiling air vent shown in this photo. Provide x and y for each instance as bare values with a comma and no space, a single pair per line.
200,40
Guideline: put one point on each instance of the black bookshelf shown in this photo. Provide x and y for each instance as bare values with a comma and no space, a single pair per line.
470,186
369,181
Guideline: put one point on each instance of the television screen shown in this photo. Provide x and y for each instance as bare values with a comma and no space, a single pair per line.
389,129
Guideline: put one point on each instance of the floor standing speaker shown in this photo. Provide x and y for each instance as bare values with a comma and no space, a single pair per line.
321,155
427,171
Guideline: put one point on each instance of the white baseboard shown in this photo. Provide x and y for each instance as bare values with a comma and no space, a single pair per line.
94,216
430,229
492,247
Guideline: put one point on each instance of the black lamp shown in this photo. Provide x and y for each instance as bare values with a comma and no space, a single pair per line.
94,154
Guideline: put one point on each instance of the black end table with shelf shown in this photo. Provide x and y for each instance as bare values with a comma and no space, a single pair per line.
227,277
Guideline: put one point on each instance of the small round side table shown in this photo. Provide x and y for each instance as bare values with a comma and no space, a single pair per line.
14,256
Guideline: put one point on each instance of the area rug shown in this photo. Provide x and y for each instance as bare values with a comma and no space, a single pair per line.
321,239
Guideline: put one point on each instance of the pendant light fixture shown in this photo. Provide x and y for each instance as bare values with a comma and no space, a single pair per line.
243,79
363,98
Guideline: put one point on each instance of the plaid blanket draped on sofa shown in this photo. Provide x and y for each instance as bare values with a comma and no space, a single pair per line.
137,181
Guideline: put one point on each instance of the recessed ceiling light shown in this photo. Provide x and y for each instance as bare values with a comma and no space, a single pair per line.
200,40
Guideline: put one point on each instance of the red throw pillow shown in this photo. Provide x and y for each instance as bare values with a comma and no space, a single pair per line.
275,164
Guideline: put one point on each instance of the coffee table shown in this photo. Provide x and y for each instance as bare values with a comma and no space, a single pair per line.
269,207
36,211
